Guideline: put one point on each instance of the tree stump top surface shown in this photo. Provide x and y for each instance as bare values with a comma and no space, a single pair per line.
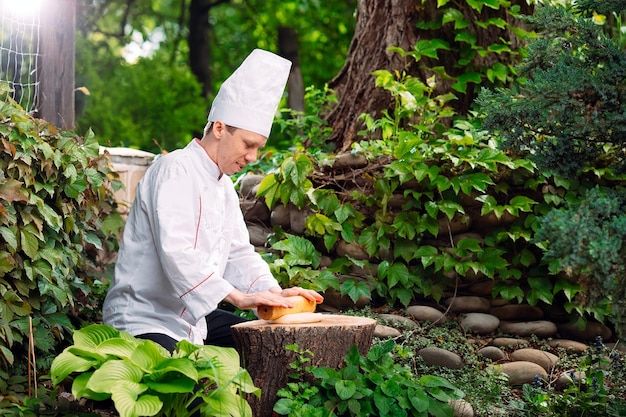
327,320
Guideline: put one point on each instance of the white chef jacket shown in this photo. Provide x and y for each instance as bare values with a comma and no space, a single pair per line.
185,247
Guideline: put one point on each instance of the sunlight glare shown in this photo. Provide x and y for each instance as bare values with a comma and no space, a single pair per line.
22,7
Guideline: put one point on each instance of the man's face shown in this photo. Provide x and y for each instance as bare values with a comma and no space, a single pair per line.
237,148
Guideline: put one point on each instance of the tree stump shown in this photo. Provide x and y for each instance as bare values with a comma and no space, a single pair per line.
261,345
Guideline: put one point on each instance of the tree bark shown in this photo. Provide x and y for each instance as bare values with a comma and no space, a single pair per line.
199,45
261,345
385,23
57,70
288,48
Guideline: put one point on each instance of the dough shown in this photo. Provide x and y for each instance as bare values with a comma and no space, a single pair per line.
298,318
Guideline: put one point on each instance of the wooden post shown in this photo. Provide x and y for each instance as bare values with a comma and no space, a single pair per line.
56,88
261,345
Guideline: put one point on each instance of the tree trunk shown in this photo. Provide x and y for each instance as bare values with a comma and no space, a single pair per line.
57,70
261,345
199,46
385,23
288,48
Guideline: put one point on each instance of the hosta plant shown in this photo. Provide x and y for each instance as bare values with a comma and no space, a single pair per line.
143,379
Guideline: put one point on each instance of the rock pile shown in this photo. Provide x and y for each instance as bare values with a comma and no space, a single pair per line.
504,332
504,329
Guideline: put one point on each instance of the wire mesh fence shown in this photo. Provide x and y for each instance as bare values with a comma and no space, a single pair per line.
20,55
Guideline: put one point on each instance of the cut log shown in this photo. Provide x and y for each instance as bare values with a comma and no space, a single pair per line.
261,344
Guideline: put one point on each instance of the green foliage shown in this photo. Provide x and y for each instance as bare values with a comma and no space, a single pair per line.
299,264
476,36
595,257
291,184
130,106
308,127
143,379
57,215
569,114
323,29
154,102
371,385
588,392
424,182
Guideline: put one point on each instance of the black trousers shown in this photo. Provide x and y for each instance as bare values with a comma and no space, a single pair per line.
218,323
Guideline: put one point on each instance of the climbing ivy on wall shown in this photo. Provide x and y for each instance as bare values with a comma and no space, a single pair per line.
57,215
433,207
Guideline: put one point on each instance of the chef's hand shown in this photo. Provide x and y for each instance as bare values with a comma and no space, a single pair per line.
308,294
275,297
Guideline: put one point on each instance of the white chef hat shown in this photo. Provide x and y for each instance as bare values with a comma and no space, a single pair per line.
248,99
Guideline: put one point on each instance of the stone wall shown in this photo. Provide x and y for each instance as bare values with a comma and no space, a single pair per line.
511,318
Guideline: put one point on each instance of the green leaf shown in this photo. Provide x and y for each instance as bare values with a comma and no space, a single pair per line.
429,48
427,254
391,388
300,251
80,390
91,336
398,272
51,217
405,249
527,257
117,346
469,244
114,373
508,292
355,289
540,289
499,48
129,403
269,188
7,354
183,366
9,234
404,295
73,189
66,363
456,16
419,400
91,145
93,239
499,71
29,243
369,239
345,389
569,288
439,394
467,37
521,203
172,385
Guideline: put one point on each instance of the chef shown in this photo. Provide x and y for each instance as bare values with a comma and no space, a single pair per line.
185,247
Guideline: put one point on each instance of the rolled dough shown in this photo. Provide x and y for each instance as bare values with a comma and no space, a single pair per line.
298,318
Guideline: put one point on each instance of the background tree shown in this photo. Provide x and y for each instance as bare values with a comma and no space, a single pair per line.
161,100
463,43
570,114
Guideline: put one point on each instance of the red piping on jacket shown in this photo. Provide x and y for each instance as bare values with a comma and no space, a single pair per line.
252,283
196,286
195,243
